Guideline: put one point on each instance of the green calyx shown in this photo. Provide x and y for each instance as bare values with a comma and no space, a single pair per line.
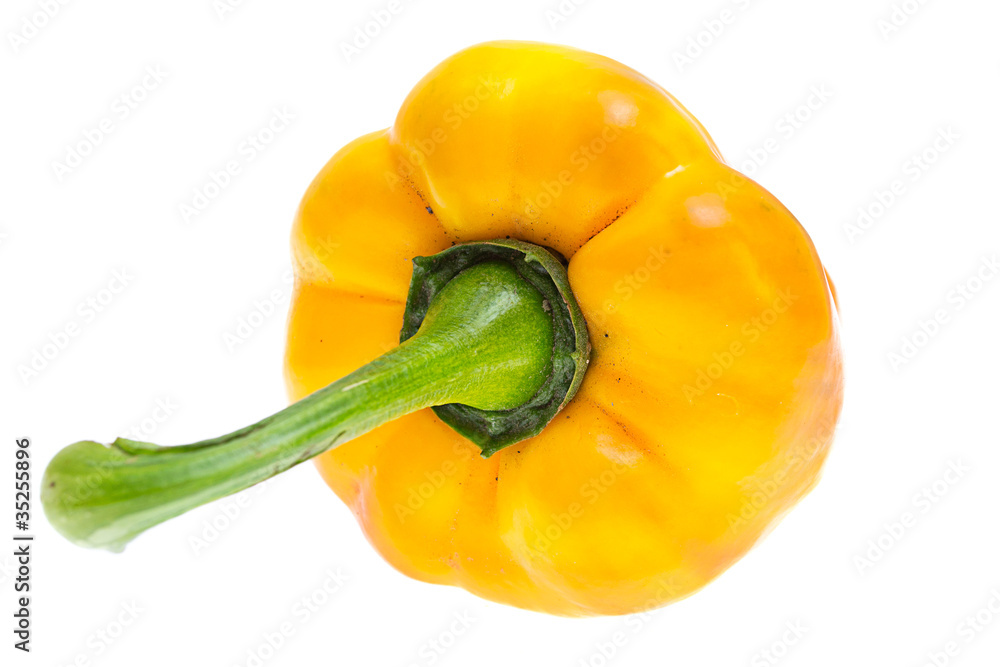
543,269
492,339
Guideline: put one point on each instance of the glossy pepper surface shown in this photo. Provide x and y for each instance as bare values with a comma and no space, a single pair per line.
715,378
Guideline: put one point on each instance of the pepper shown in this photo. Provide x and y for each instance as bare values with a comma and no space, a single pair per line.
596,364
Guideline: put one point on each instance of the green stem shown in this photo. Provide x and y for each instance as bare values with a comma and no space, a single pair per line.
486,342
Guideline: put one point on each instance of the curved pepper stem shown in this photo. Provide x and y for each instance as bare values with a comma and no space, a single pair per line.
486,342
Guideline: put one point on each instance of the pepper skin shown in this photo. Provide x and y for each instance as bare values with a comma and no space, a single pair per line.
715,380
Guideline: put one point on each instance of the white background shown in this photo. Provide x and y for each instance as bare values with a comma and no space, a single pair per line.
191,282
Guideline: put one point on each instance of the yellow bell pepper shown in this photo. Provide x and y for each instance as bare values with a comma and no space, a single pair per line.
534,208
715,379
